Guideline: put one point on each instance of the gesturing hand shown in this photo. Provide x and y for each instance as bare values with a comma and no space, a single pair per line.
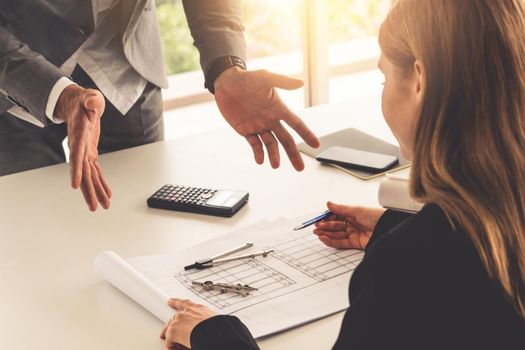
177,331
350,227
81,109
250,104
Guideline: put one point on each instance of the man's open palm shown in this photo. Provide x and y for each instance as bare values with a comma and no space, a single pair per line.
250,104
82,109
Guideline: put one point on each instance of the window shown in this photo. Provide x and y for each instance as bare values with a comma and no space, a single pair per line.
353,50
331,44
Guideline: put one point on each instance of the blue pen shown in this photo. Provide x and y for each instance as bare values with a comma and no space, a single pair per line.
318,218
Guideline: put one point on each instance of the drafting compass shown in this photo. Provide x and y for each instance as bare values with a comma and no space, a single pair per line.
240,289
220,258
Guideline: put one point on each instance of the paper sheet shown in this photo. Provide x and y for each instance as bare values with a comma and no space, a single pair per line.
302,281
134,284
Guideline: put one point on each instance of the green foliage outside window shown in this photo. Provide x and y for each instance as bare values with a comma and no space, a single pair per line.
179,53
350,19
272,27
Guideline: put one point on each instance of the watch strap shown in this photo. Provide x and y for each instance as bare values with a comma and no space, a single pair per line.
217,67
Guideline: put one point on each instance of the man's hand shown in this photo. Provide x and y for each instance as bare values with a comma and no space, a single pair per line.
249,103
81,109
349,227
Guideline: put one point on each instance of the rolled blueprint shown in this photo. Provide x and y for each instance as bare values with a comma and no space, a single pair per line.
129,281
394,194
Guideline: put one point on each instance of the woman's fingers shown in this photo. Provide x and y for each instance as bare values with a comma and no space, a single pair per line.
345,211
336,243
331,234
331,225
163,332
180,304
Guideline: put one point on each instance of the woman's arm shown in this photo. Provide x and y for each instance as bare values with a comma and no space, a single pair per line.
222,332
197,327
387,221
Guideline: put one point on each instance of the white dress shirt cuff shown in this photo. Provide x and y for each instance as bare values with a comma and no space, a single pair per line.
52,100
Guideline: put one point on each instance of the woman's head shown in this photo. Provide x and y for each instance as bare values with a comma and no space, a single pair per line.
402,97
455,98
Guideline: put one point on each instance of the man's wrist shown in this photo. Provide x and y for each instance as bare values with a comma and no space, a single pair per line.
225,76
66,97
219,66
54,95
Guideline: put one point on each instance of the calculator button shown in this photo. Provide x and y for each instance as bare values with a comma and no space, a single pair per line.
206,195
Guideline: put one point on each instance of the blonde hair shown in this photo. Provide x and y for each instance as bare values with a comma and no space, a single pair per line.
469,148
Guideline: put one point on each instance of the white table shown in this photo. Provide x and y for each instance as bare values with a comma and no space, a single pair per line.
50,296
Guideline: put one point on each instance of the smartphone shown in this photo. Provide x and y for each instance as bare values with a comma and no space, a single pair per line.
353,158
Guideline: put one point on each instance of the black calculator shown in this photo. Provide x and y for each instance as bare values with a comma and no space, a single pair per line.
198,200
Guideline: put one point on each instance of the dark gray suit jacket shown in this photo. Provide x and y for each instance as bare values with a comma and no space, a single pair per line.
38,36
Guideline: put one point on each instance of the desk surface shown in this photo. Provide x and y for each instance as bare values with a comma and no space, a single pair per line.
50,296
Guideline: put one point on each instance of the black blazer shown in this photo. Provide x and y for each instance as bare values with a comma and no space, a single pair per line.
421,285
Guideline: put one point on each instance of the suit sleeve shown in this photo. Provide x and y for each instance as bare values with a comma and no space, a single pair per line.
385,300
387,222
216,27
222,332
26,77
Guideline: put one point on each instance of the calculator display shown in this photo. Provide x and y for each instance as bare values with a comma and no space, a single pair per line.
223,199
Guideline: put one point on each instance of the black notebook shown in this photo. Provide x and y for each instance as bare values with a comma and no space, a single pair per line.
353,138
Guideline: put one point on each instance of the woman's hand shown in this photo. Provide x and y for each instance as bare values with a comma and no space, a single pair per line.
178,330
350,227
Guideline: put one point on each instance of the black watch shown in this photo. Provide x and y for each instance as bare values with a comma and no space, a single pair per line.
217,67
